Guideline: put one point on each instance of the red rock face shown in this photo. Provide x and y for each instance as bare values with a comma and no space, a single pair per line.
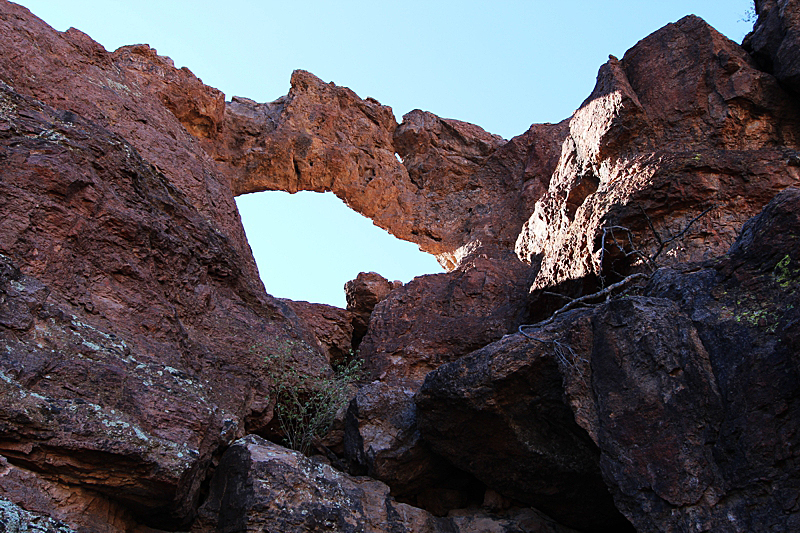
713,132
443,196
130,300
133,326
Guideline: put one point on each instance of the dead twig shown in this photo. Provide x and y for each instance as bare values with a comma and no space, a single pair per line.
589,297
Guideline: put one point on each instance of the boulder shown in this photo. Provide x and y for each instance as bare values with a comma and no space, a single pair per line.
261,486
499,414
331,326
438,318
775,40
363,294
382,440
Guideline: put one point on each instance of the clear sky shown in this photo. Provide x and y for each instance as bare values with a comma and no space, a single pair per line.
502,65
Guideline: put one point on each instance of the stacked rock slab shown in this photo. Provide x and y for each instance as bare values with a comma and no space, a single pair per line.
690,392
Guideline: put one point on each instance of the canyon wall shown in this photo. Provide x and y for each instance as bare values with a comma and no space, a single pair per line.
614,345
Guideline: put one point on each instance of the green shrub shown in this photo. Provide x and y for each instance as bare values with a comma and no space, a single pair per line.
306,405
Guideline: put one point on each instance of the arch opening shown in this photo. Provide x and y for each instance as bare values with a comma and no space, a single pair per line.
307,245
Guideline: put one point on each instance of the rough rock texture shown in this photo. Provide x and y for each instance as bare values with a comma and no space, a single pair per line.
331,326
437,318
76,508
713,132
362,295
14,519
382,440
775,40
321,137
263,487
690,393
130,302
506,401
133,326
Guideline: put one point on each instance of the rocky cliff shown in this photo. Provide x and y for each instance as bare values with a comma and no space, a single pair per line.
613,348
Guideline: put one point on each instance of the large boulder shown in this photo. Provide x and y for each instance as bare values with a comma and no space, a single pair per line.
382,440
775,40
499,414
263,487
362,295
437,318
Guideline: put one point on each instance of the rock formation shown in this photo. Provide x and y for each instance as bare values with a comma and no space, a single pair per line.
662,395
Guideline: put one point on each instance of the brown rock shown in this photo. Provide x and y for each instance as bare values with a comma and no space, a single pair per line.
683,123
775,40
439,317
363,294
332,327
128,318
382,440
321,137
261,486
134,93
66,507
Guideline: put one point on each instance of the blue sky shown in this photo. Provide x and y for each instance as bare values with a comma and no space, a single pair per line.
502,65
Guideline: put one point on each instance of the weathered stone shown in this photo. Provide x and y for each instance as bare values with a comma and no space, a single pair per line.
14,519
713,132
321,137
506,401
331,326
382,440
128,318
363,294
437,318
260,486
74,507
775,40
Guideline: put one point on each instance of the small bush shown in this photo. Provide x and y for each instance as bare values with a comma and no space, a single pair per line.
306,405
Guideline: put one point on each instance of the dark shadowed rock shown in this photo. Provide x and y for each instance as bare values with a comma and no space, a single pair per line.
499,414
260,486
382,440
775,40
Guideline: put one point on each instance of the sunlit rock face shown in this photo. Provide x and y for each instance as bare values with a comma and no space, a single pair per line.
685,122
444,184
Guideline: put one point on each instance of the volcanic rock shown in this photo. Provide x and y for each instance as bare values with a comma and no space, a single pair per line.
506,401
775,40
437,318
331,326
695,155
382,440
443,196
363,294
261,486
690,393
129,316
17,520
